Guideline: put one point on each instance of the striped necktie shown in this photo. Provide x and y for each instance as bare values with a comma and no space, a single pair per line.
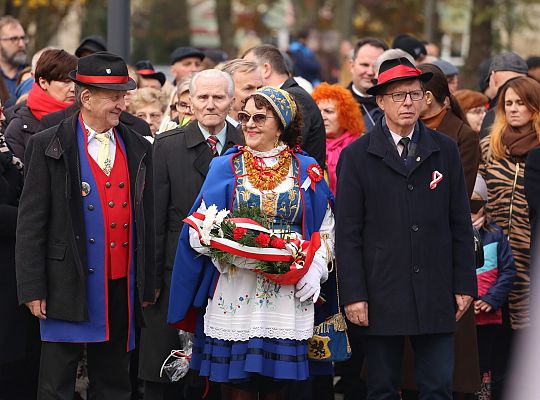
212,142
104,158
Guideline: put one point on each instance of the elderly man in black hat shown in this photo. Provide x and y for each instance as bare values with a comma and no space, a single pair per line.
404,241
185,61
85,236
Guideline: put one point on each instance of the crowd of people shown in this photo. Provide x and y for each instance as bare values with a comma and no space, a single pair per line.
396,197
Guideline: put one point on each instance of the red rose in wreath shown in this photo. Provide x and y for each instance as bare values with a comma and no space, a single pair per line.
277,243
238,233
263,239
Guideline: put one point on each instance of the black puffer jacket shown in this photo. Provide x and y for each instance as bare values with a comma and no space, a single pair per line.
21,127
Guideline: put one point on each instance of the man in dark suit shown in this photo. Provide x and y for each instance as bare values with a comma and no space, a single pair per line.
404,240
182,158
275,73
85,236
365,53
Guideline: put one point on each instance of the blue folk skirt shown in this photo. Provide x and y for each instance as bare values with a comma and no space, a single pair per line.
235,362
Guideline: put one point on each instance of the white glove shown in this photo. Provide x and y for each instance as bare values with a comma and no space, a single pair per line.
309,286
195,242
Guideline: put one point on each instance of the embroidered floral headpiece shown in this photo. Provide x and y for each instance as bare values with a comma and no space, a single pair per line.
282,103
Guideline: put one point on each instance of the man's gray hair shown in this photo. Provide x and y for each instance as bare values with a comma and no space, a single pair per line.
390,55
237,65
212,74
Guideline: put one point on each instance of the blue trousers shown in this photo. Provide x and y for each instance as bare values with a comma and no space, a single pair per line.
433,362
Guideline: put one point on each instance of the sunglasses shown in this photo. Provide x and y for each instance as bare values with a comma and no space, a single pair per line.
259,119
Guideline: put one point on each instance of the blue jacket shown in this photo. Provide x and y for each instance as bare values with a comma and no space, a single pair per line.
497,254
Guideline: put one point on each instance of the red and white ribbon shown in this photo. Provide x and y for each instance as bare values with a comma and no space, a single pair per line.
436,177
256,253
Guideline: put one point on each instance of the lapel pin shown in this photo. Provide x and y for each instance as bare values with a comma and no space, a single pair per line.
85,189
108,70
418,159
436,177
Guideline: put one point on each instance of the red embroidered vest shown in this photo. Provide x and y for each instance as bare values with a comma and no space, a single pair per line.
116,205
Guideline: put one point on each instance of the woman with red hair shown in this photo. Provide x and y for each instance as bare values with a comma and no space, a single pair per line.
342,121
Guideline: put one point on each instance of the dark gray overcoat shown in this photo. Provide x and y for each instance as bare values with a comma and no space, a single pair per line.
51,229
181,161
402,246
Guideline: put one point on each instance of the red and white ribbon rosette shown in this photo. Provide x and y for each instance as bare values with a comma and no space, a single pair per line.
315,174
304,250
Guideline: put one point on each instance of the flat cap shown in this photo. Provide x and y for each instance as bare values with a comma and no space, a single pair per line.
184,52
508,61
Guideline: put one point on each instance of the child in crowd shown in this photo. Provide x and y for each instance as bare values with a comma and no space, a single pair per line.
495,279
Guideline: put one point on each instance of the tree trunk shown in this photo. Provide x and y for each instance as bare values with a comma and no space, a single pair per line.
225,26
343,18
480,42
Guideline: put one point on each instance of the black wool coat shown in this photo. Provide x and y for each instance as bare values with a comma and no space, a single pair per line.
404,248
51,228
181,161
313,132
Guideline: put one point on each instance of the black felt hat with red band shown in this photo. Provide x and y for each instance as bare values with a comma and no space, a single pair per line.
146,70
395,70
102,70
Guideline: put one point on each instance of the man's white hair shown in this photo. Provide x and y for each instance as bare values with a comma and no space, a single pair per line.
212,74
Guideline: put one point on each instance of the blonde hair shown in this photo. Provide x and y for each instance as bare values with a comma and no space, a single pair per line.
528,91
147,96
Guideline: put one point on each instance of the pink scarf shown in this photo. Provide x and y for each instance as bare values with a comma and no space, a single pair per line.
333,150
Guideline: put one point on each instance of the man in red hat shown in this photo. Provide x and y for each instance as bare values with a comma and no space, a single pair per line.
404,240
85,236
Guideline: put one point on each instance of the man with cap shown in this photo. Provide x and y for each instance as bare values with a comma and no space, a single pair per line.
504,67
404,241
451,72
90,45
185,61
149,77
85,236
411,45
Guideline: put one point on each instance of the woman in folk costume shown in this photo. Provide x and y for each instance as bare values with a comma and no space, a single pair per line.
255,331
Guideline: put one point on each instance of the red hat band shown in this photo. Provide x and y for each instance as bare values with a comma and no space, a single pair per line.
101,79
146,71
399,71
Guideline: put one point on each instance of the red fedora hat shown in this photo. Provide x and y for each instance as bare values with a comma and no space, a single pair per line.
395,70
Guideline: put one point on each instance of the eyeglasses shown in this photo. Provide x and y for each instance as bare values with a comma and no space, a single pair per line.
259,119
153,116
399,97
182,105
16,39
